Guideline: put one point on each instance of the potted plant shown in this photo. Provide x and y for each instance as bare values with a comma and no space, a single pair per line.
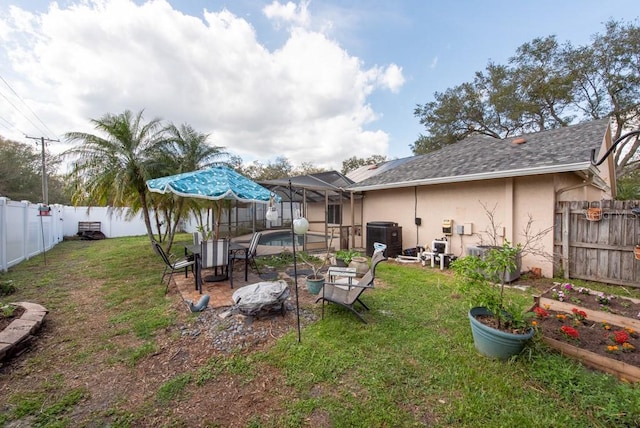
315,281
499,327
344,257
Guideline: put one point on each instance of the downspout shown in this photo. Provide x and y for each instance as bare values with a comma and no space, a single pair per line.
509,217
586,182
415,216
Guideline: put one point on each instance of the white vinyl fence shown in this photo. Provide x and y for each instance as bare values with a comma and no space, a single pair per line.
113,222
25,230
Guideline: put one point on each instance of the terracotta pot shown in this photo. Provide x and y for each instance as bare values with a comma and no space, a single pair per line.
636,252
594,214
361,265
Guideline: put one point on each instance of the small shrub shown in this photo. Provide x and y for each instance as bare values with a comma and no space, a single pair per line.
7,288
7,310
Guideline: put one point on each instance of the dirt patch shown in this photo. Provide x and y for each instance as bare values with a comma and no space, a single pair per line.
184,349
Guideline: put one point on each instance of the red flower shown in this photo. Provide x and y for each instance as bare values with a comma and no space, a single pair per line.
620,337
570,331
541,313
579,314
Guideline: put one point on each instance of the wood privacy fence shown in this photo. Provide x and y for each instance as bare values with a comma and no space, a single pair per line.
602,250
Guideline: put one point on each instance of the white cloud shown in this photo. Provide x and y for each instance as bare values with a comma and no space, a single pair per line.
306,100
296,14
434,63
392,78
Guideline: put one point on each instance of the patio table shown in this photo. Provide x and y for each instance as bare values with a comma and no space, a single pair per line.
233,247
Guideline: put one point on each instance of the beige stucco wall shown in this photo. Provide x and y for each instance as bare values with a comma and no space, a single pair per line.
522,209
510,202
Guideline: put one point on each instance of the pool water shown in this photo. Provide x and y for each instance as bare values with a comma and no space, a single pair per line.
283,239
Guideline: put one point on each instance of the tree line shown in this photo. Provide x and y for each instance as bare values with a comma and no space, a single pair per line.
545,85
111,167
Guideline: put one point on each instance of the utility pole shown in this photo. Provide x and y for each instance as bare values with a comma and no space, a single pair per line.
45,189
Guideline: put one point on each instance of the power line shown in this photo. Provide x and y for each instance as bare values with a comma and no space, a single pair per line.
8,125
49,131
22,113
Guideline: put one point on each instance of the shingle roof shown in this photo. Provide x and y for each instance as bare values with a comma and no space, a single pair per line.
557,150
315,185
367,171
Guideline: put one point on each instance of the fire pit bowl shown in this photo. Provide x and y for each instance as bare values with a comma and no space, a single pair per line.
261,298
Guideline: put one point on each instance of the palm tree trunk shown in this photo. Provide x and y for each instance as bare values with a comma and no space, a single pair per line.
145,214
174,224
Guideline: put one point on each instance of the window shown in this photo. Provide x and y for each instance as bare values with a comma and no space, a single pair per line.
334,214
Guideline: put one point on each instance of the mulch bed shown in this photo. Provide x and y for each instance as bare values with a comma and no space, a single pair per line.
597,337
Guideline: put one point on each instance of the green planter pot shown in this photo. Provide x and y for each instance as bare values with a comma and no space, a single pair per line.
314,284
495,343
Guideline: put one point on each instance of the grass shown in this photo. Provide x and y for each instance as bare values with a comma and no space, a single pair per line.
413,364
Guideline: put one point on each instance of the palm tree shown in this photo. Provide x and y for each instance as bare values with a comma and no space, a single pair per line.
183,150
113,167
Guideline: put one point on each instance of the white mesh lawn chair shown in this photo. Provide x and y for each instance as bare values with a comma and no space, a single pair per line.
215,254
346,291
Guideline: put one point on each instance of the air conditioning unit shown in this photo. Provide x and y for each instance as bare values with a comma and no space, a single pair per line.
477,250
481,250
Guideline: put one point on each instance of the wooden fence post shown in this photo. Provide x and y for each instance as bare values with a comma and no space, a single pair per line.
566,221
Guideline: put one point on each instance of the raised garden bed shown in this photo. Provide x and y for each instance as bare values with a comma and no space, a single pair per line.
607,328
16,334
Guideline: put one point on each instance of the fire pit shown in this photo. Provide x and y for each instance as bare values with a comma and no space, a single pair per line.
261,298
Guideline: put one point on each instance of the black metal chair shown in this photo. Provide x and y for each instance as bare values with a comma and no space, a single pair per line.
172,266
248,254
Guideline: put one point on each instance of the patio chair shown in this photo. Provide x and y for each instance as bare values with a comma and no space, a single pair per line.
215,254
346,291
173,265
248,254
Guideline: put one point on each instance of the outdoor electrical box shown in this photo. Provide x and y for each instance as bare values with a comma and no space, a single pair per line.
468,229
418,221
447,227
460,229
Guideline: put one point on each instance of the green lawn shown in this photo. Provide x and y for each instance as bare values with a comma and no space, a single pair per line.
413,364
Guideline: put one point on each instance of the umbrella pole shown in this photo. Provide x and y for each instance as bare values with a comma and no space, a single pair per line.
295,264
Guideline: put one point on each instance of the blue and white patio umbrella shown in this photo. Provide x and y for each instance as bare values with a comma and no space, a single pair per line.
214,184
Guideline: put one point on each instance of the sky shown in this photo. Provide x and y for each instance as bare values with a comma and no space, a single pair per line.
312,81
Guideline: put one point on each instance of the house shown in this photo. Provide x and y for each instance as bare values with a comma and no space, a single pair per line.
484,190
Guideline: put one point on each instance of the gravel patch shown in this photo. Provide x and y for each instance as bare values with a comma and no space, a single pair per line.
231,331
